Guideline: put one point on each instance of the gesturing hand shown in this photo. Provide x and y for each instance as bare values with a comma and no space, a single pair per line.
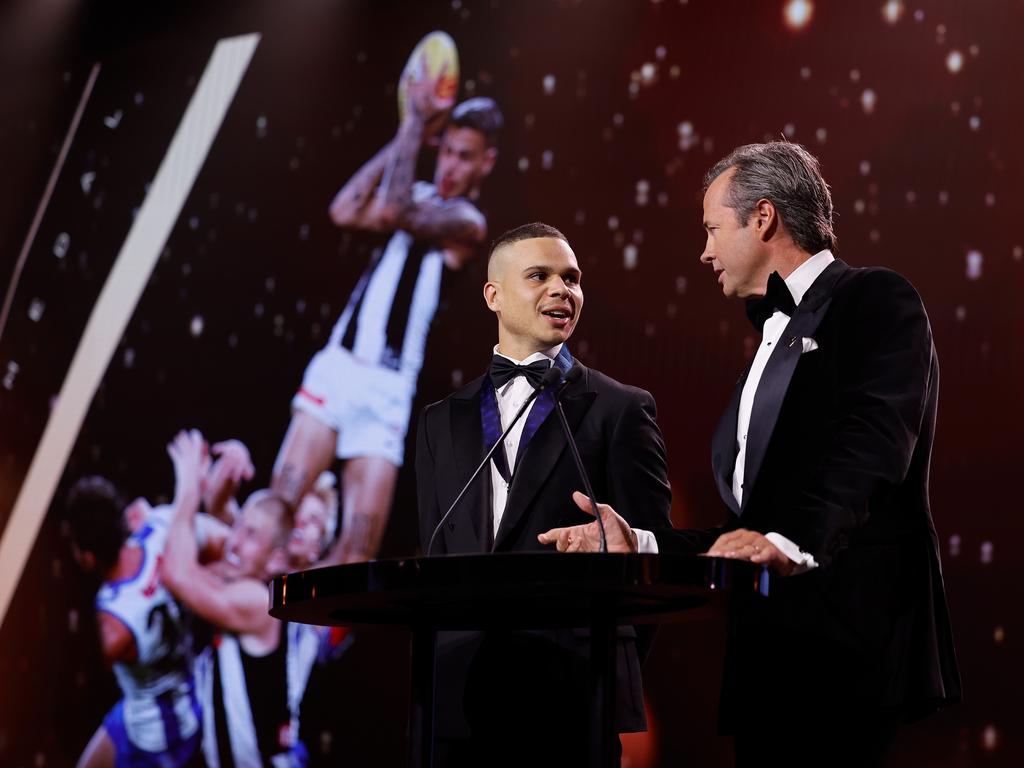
587,537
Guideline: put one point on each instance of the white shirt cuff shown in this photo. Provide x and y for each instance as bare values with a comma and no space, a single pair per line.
646,544
804,560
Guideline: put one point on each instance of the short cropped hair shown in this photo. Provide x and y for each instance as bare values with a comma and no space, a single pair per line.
481,114
525,232
95,516
790,177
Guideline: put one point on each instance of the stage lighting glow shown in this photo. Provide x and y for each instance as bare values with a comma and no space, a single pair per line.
868,100
549,84
954,61
1018,252
974,262
892,11
629,257
36,309
974,122
797,13
990,738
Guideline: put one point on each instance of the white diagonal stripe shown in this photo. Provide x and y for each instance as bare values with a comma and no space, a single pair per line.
117,300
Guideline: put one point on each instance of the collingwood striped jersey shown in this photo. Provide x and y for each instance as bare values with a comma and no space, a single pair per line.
388,316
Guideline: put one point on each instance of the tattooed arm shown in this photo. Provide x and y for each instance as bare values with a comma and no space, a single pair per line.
379,196
352,206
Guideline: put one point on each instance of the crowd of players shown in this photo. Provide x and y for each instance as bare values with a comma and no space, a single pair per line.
206,674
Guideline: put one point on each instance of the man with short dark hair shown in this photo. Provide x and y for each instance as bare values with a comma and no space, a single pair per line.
521,698
356,395
822,461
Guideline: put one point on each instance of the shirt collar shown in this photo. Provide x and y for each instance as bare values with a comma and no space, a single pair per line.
544,354
801,278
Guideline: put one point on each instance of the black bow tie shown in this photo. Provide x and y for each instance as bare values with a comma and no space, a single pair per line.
504,370
776,298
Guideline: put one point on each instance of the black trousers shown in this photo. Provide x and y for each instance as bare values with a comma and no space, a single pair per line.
556,749
856,741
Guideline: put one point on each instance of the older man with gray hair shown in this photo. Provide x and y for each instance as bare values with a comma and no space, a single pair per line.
821,460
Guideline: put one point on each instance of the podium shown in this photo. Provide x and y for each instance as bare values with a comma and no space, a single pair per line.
508,591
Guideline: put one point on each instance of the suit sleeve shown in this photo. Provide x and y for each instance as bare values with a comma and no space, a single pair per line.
426,489
872,421
637,470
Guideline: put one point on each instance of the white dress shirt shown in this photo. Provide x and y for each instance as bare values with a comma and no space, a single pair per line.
510,399
798,282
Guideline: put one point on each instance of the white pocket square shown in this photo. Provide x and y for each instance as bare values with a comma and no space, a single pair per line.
808,344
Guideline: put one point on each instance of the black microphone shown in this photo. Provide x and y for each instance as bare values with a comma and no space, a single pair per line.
574,374
554,373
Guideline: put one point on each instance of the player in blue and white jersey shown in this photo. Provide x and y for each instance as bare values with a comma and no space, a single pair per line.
143,633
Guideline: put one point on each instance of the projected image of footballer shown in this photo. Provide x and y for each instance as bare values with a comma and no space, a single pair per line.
357,392
143,633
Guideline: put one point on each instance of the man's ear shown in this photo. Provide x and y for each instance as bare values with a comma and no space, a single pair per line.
766,219
492,292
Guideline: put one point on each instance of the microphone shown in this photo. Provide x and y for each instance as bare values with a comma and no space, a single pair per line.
573,375
554,373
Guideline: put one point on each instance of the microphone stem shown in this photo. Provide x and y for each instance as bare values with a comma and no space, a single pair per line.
583,473
479,469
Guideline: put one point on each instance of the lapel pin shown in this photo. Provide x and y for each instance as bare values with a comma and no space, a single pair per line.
792,341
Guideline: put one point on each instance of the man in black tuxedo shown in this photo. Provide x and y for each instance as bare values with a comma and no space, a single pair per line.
822,460
521,698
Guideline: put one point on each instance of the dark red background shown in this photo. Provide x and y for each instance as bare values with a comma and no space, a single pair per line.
916,185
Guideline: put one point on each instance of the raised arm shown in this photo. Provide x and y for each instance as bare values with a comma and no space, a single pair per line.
354,205
379,197
239,606
233,465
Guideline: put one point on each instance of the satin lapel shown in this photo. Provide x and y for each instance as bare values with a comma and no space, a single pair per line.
542,455
771,389
467,447
723,446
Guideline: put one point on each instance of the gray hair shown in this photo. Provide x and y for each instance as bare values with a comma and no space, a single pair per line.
789,177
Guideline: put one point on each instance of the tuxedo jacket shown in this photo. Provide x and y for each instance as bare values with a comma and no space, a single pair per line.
529,677
838,453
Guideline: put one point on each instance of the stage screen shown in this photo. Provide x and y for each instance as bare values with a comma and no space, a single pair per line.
175,254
